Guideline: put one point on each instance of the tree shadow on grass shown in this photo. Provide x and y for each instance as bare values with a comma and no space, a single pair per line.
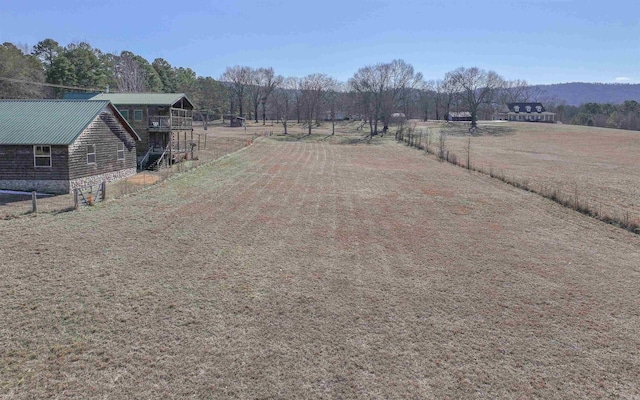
494,130
464,129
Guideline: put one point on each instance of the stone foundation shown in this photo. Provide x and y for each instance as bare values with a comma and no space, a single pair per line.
63,186
98,179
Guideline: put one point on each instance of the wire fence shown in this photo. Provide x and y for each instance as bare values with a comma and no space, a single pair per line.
15,204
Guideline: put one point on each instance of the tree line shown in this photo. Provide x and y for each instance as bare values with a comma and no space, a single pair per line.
603,115
375,94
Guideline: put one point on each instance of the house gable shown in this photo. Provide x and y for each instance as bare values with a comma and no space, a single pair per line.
68,130
103,136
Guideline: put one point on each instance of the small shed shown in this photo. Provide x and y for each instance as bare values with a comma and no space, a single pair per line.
237,122
398,117
458,116
55,146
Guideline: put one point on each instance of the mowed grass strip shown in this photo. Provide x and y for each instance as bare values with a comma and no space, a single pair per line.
310,270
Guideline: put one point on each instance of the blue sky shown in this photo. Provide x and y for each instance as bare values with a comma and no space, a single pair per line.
541,41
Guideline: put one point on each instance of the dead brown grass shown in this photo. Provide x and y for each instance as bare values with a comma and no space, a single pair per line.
315,270
592,168
217,145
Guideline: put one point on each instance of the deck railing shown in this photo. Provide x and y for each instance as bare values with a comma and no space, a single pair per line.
159,123
179,119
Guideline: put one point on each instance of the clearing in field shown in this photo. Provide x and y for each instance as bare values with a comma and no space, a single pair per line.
308,269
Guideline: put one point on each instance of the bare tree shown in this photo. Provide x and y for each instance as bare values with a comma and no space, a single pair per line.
129,76
517,91
254,91
369,83
239,78
269,81
281,99
263,82
381,89
332,97
297,98
312,90
402,81
476,87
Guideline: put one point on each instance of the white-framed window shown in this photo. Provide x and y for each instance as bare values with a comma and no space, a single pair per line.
120,151
91,154
125,114
137,115
42,156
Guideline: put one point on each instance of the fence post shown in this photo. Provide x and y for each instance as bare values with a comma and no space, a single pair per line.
34,206
75,198
104,190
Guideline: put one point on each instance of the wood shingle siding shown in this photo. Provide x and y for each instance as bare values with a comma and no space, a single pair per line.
106,145
17,162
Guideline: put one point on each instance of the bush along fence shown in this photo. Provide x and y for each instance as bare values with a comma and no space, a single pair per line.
436,146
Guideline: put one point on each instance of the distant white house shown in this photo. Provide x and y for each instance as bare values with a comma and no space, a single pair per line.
532,112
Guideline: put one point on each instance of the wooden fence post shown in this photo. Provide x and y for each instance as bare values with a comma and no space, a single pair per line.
34,206
75,198
104,190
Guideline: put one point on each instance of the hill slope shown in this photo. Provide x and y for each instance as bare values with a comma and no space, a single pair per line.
577,93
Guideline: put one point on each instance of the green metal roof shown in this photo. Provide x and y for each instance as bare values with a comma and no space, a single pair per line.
54,122
150,99
79,95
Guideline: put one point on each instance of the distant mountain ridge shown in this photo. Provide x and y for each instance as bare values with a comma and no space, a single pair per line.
577,93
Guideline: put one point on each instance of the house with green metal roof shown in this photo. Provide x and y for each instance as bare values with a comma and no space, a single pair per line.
164,122
65,144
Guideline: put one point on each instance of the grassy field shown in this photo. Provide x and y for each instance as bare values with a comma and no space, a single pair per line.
320,268
596,167
220,142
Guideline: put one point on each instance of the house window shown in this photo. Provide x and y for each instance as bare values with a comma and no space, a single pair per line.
137,115
91,154
120,151
42,156
125,114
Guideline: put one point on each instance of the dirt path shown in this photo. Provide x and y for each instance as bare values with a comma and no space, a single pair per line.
311,270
